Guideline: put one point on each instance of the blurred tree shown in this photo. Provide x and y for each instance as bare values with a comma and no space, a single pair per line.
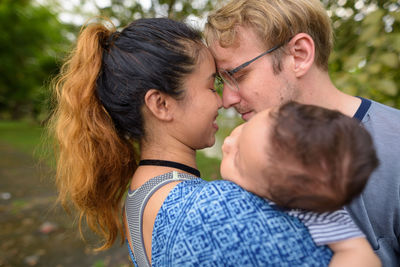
124,11
366,58
31,37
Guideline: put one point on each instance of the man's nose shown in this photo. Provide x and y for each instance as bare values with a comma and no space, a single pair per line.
219,101
229,97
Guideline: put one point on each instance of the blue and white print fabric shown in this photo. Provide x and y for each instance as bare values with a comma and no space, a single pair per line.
220,224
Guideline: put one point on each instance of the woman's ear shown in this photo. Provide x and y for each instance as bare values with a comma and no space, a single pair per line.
302,50
159,104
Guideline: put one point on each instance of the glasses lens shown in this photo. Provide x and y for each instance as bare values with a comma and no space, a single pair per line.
228,80
218,84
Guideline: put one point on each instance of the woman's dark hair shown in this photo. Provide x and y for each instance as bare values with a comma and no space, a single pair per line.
321,159
100,93
148,54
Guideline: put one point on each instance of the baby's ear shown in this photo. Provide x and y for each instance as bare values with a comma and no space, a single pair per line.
159,104
302,49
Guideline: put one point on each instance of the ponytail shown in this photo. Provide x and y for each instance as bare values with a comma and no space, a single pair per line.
100,94
94,161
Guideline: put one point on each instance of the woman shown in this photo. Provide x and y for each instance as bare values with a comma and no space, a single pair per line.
133,108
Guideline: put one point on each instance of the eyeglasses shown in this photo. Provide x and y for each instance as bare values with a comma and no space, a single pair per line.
226,76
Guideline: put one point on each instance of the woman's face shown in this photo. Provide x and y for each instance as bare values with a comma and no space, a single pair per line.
198,110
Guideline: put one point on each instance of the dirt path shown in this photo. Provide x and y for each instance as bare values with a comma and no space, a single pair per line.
31,232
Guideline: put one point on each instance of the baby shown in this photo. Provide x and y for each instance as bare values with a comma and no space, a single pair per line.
311,161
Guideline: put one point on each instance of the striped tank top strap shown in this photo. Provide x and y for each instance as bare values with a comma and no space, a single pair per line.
134,206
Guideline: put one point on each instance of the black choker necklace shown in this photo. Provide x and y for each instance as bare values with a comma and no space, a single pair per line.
172,164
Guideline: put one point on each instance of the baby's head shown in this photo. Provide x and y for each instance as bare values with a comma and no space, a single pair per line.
300,156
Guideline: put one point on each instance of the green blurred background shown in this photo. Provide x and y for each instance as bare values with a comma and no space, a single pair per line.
35,38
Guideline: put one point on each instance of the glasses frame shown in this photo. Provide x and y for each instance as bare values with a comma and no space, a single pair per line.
242,66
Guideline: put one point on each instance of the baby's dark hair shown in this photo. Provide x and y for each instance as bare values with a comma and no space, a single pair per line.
320,159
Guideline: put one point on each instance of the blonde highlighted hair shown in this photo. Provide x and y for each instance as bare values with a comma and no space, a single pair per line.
274,22
92,159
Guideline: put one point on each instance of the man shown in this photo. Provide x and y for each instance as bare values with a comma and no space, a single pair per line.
271,51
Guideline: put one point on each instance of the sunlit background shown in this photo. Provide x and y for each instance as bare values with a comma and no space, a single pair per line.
36,36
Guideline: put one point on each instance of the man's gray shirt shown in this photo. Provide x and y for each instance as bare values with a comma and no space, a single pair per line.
377,210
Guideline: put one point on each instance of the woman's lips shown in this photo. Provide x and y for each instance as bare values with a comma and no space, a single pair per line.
215,125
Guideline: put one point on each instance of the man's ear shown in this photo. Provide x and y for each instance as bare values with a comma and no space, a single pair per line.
302,50
159,104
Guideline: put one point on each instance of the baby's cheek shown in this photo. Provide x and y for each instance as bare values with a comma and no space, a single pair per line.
224,169
259,186
228,172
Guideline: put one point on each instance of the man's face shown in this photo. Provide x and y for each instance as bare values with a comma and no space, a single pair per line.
259,87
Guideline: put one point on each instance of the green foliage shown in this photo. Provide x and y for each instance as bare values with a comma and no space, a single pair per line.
366,58
31,39
218,84
124,11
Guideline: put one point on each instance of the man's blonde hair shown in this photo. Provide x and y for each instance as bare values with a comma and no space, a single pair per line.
274,22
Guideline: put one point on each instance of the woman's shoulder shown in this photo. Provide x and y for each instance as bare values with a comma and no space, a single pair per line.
218,223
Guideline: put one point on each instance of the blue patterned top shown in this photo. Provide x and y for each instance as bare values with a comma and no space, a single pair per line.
220,224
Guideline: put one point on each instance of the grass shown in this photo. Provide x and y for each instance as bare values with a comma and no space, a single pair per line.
22,135
28,137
